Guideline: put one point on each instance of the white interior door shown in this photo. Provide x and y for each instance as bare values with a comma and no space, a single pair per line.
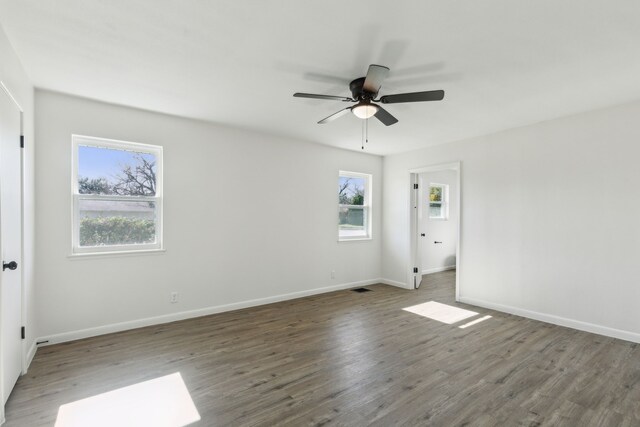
10,245
422,231
416,272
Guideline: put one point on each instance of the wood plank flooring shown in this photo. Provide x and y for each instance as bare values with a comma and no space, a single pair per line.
347,358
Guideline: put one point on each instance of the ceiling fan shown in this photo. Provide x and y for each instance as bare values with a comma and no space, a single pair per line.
364,91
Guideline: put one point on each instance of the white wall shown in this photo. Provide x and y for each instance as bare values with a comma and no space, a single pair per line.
246,217
550,219
440,256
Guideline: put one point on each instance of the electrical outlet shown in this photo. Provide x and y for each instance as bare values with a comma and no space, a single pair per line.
173,298
333,274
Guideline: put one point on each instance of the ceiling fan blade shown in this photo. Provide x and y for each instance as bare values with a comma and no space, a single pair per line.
316,96
433,95
375,77
385,117
335,116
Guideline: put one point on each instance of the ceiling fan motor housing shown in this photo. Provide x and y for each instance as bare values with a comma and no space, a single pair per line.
358,93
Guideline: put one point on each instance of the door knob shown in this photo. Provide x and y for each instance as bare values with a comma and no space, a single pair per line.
436,242
10,265
422,234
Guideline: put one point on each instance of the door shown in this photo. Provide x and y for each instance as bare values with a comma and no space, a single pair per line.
415,229
10,245
422,227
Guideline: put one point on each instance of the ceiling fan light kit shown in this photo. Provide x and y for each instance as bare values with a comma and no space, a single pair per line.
365,110
364,91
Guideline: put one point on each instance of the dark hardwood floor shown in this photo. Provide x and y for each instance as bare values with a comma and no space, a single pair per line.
347,358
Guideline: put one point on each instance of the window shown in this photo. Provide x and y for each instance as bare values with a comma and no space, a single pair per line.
354,206
438,201
117,196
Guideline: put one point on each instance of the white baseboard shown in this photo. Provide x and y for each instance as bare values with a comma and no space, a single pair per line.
556,320
438,269
157,320
393,283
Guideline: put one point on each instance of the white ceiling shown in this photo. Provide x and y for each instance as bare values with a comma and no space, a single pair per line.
501,63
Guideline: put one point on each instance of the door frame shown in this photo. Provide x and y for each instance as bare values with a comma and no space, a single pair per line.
414,247
4,91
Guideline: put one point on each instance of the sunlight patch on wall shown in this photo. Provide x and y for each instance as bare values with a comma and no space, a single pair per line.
161,402
441,312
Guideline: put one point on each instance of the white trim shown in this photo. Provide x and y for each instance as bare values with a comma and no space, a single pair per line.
438,269
354,174
394,283
157,151
173,317
444,202
354,239
556,320
116,198
115,254
366,207
117,144
412,221
458,228
10,95
436,168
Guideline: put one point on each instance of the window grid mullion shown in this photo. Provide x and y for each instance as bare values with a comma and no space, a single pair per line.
114,197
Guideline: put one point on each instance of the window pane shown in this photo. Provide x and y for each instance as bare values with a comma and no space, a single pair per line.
351,190
351,220
435,194
110,171
435,210
108,222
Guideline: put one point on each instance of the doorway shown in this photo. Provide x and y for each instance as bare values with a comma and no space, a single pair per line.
11,348
435,221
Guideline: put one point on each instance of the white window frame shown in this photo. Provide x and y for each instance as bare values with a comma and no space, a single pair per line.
82,140
444,204
366,207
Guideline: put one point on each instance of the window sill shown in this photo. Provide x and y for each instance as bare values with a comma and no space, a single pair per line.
354,239
115,254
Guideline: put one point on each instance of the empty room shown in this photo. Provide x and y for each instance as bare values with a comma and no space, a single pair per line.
350,213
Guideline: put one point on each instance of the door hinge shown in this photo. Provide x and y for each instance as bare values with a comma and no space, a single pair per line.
21,141
23,332
415,186
415,269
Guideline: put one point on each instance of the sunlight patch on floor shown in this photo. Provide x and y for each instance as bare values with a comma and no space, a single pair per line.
441,312
473,322
161,402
